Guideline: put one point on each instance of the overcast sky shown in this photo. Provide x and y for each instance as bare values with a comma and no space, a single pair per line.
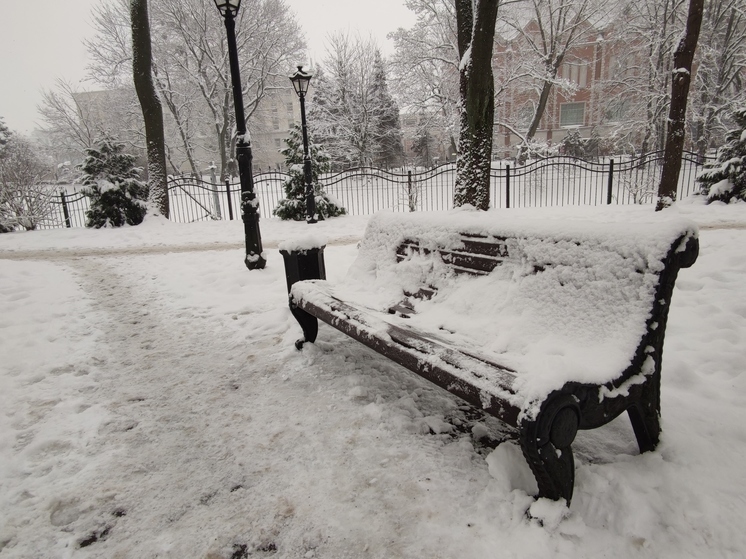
43,40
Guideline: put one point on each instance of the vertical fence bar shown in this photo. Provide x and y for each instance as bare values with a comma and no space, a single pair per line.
409,190
230,202
610,184
507,186
65,211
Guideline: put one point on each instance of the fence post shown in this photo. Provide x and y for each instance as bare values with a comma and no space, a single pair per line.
507,186
611,181
228,193
65,211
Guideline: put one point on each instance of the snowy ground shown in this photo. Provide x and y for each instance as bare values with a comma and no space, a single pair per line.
152,405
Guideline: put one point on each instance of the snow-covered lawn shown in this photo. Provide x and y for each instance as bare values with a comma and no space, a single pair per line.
152,405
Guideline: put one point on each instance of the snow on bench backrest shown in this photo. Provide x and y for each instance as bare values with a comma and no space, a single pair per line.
568,303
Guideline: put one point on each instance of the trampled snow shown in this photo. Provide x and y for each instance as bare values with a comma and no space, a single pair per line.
153,405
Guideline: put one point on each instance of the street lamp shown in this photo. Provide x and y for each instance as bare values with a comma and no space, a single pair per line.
249,205
300,81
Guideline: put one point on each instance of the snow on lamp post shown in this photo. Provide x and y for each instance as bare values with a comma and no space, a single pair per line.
300,81
249,204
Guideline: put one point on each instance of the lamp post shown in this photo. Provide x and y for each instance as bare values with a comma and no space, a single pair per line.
300,81
249,205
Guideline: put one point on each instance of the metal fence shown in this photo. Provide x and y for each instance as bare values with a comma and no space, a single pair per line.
554,181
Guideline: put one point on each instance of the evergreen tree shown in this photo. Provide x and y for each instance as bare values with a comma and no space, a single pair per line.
422,145
725,179
573,145
352,113
326,120
387,135
294,205
110,180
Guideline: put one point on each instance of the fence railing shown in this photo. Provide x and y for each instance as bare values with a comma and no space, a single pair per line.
554,181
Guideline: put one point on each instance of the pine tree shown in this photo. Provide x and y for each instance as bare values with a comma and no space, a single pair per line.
387,135
294,205
725,179
422,145
110,180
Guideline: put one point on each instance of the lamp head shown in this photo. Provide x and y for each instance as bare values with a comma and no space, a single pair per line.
300,81
228,7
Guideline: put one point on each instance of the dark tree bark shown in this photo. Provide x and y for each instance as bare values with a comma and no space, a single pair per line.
681,78
476,30
152,111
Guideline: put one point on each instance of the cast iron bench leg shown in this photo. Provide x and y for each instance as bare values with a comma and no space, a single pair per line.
546,445
645,418
309,324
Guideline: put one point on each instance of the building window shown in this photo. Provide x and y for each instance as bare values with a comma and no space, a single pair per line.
572,114
278,143
276,123
576,73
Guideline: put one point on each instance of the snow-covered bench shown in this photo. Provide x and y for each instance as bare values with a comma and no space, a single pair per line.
551,326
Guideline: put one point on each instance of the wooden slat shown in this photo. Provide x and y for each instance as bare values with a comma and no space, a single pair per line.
460,372
479,255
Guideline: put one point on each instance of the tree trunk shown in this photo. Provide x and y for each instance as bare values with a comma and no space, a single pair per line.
681,78
541,106
152,112
476,31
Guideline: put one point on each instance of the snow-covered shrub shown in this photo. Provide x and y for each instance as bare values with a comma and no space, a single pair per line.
111,181
294,205
536,150
725,180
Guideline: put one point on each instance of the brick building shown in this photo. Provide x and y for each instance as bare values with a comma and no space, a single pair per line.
579,101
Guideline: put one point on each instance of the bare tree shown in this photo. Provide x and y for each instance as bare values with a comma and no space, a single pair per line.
548,30
72,125
152,112
719,79
640,69
426,65
24,198
191,62
476,31
680,80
